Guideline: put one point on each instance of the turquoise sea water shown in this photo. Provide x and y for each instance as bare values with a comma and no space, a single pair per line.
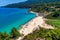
13,17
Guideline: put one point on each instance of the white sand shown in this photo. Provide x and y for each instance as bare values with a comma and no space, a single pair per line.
33,24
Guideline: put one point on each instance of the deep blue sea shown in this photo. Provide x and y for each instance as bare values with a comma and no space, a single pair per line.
14,17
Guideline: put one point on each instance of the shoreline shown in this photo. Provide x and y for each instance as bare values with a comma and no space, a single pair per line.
37,14
32,25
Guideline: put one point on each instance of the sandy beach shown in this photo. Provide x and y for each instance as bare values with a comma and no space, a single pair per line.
33,25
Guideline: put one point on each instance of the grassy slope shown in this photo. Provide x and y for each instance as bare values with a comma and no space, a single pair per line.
54,22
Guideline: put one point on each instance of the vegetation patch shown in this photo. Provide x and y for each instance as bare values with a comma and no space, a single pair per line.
54,15
12,36
48,34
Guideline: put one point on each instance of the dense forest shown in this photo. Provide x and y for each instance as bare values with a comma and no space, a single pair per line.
31,3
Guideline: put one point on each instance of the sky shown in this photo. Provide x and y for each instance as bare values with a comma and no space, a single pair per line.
5,2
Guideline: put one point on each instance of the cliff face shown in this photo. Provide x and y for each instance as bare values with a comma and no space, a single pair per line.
30,3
